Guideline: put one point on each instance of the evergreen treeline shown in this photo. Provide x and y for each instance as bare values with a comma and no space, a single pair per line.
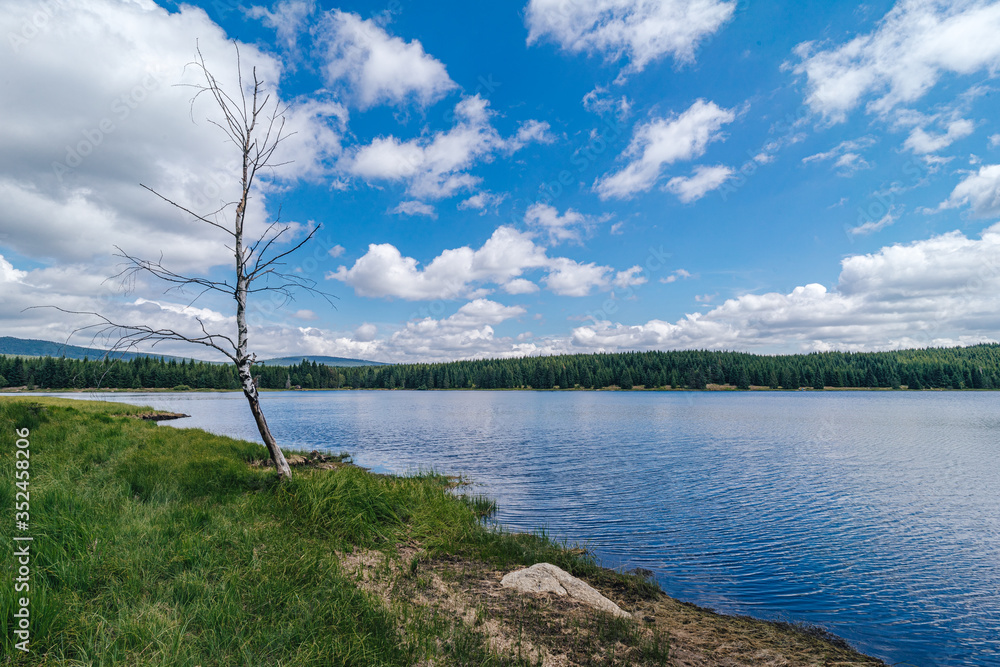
976,367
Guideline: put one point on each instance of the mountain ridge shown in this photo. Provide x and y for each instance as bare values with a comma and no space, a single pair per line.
34,347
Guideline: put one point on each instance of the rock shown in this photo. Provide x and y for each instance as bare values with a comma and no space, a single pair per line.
547,578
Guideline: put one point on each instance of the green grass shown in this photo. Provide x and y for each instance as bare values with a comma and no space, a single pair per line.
162,546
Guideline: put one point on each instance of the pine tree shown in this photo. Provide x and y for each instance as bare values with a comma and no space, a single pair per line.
626,381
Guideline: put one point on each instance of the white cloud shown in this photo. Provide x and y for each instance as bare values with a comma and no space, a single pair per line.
920,141
380,68
846,159
365,333
940,291
570,226
336,251
994,140
980,191
482,201
873,226
288,19
641,31
529,132
466,273
520,286
704,180
600,102
74,155
437,166
384,272
914,44
664,141
466,334
572,278
675,276
8,274
415,208
631,277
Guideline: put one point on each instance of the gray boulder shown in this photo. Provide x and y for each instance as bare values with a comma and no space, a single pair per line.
547,578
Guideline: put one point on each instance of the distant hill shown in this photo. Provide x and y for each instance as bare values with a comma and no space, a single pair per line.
327,361
28,347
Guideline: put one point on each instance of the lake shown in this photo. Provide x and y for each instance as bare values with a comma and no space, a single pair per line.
875,515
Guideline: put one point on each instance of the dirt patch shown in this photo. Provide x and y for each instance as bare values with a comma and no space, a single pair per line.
700,636
313,459
156,416
554,631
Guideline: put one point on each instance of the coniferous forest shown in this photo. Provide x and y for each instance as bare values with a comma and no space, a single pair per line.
975,367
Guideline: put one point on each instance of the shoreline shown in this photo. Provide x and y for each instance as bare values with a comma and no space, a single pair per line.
428,555
636,389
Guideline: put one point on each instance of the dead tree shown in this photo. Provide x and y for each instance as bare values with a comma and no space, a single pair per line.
255,125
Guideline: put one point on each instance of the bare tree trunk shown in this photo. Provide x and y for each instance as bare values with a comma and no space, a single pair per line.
250,391
244,363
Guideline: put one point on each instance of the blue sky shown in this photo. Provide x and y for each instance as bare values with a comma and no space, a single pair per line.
544,177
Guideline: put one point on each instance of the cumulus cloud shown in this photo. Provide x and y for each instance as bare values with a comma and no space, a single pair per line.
466,273
935,292
287,19
979,191
482,202
631,277
466,334
380,68
637,30
939,291
8,274
384,272
902,59
571,278
530,132
570,226
701,182
662,142
437,166
74,155
520,286
921,141
365,333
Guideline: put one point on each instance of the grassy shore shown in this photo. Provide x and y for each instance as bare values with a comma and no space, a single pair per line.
162,546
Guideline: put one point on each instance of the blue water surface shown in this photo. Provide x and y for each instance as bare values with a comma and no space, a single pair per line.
875,515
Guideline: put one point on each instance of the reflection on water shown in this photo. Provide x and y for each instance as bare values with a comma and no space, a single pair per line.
873,514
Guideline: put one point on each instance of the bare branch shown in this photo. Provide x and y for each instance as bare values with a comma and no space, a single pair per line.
189,211
132,335
134,266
